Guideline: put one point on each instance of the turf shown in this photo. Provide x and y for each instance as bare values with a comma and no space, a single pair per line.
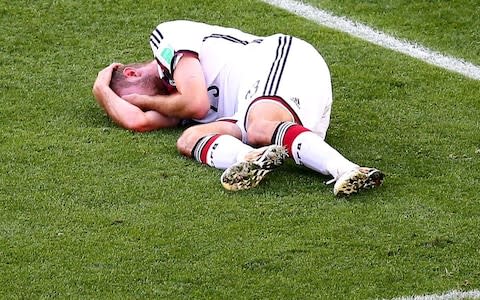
447,26
93,211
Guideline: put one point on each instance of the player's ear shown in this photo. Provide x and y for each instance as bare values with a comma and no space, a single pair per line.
131,72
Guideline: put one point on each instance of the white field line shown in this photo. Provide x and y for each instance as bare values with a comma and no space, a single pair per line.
452,295
379,38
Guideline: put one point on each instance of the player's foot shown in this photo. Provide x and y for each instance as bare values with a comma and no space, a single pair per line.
358,179
248,173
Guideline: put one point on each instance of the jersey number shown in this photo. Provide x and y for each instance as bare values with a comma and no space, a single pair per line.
215,92
253,90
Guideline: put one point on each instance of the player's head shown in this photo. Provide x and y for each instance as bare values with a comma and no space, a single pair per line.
137,78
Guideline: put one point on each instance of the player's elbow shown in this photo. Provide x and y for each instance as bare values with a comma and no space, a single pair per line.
200,112
137,125
199,108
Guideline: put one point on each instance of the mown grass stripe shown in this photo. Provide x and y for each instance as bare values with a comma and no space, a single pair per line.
379,38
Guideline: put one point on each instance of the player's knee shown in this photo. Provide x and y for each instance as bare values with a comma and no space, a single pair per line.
187,141
181,145
260,132
254,138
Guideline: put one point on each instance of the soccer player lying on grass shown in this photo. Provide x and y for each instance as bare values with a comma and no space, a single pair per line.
246,91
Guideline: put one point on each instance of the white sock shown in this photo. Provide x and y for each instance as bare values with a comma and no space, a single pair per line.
310,150
220,151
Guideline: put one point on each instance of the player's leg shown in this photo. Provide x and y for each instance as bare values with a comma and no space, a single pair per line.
218,145
288,104
308,148
250,169
305,147
305,91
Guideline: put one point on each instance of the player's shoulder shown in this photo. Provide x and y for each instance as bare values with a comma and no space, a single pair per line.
182,29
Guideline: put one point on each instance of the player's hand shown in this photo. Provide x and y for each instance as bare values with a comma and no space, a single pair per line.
104,77
141,101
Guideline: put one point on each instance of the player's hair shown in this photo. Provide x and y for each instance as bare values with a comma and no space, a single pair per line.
119,81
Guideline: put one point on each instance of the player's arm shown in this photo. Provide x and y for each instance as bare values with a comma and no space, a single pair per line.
191,100
124,113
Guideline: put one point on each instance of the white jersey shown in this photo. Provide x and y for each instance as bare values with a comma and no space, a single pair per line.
242,69
219,50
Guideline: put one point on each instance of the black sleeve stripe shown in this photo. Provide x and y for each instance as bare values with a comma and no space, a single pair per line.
152,42
156,37
159,33
174,60
187,51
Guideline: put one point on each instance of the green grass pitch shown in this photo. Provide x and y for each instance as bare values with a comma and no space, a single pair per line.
88,210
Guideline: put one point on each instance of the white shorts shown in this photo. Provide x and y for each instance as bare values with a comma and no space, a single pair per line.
290,72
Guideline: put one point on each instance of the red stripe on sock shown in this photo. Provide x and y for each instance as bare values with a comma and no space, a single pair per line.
203,153
290,136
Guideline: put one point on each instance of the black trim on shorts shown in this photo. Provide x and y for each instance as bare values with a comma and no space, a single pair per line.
278,65
278,99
